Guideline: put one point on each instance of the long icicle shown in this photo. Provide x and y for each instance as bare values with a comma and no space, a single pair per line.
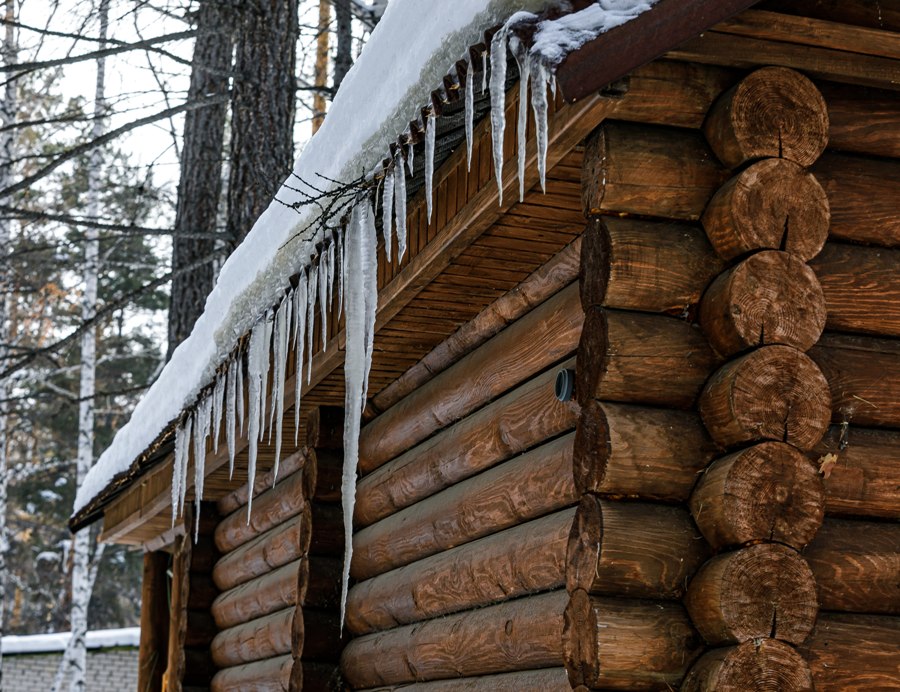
323,297
312,285
299,346
218,409
387,211
282,324
541,76
230,413
255,357
176,469
470,114
183,476
340,269
201,431
400,203
239,381
430,130
498,104
521,55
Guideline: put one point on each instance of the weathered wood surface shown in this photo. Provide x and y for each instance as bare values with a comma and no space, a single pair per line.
767,492
538,287
862,120
645,265
773,204
857,566
861,192
262,638
761,664
544,679
635,357
862,473
764,590
864,376
238,498
270,675
524,559
854,652
632,549
861,287
269,551
260,596
880,14
521,634
615,643
515,422
636,451
154,622
523,488
545,335
773,112
178,609
271,508
772,393
772,297
648,170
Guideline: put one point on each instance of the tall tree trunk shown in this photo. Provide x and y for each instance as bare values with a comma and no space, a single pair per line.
7,117
343,60
262,110
82,583
321,74
200,187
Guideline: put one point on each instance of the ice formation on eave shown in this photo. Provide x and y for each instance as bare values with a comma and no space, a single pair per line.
204,380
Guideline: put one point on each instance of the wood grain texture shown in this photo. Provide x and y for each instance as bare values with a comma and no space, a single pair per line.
762,664
772,113
527,486
173,678
517,635
514,423
524,559
767,492
861,286
857,566
773,204
645,265
772,297
617,643
632,549
544,679
764,590
261,638
772,393
875,14
640,452
154,622
267,593
862,120
238,498
270,675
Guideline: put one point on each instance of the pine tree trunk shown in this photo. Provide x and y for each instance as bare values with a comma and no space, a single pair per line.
321,72
200,187
343,59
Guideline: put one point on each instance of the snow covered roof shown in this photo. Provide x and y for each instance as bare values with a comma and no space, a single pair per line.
57,641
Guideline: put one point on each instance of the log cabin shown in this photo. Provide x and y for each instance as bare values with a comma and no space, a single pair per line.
634,427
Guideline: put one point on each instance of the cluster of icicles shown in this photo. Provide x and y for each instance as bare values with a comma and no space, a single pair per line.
344,271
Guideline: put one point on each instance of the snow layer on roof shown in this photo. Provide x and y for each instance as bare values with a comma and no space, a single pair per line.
57,641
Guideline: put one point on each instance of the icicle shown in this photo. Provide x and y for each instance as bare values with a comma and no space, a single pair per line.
323,296
484,71
202,416
218,403
370,267
498,104
299,343
282,322
539,106
177,465
522,61
430,129
230,422
360,296
410,157
340,269
240,391
185,452
312,285
470,113
257,357
387,209
400,204
270,323
330,281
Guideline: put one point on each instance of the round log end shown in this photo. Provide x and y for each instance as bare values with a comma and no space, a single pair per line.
774,112
772,393
592,355
580,644
771,297
768,492
595,263
766,664
765,590
774,204
585,540
591,448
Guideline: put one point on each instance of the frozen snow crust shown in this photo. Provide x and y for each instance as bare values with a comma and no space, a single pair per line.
57,641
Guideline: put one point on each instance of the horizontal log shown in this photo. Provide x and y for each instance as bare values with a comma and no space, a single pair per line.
863,374
771,297
238,498
857,566
544,679
760,664
276,547
772,393
525,559
540,285
862,120
262,638
613,643
773,112
773,204
271,508
861,192
648,453
635,357
322,480
854,652
649,266
544,336
270,675
648,170
861,286
862,471
632,549
767,492
535,483
515,422
252,599
884,14
764,590
516,635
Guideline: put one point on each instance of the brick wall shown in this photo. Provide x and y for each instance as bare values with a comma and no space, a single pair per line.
108,670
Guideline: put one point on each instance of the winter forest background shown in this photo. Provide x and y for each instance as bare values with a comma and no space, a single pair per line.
139,139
